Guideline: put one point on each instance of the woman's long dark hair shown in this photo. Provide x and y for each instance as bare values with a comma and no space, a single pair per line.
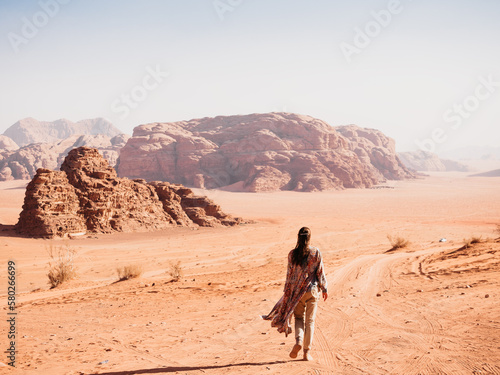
301,251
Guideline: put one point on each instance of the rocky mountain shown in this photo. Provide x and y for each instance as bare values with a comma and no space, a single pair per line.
7,144
87,196
23,162
30,130
375,148
427,162
261,152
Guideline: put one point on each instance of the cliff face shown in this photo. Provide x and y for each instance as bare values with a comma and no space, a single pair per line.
87,196
374,147
22,163
51,207
260,152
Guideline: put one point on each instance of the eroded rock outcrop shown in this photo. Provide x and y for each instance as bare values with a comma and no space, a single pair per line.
51,207
87,196
375,147
182,205
261,152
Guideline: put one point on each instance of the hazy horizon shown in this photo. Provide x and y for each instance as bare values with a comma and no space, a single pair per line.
426,74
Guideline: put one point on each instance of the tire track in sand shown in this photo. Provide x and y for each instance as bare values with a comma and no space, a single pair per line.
324,351
419,361
369,275
378,278
338,322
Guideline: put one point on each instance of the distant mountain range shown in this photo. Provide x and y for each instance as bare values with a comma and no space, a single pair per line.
29,130
472,153
30,144
493,173
424,161
261,152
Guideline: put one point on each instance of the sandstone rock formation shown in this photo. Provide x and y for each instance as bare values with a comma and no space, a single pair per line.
23,163
30,130
182,205
427,162
87,196
260,152
373,146
51,207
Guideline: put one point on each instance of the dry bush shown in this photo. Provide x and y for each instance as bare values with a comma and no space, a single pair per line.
62,264
470,241
129,272
397,242
476,239
175,271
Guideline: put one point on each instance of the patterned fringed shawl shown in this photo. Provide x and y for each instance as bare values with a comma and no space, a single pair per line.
299,280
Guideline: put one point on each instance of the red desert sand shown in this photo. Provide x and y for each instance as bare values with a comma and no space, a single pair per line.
429,308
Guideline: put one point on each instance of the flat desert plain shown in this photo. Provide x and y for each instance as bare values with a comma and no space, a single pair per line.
429,308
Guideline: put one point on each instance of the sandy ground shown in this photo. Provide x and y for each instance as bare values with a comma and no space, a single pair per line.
429,308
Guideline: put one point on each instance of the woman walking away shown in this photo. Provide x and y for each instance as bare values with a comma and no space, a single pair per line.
304,279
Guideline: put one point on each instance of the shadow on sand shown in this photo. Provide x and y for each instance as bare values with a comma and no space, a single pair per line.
9,231
166,370
18,187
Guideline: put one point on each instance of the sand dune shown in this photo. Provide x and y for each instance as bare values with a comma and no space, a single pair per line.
494,173
418,310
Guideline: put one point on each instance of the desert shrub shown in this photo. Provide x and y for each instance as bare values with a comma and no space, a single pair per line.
397,242
470,241
129,272
62,264
175,271
476,239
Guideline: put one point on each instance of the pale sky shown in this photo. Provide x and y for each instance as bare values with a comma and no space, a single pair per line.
413,69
